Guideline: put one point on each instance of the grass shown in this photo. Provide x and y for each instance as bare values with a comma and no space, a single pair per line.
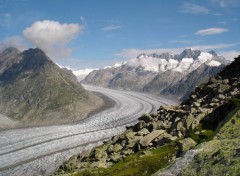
200,134
137,164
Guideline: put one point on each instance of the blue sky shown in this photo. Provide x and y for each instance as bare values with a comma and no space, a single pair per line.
96,33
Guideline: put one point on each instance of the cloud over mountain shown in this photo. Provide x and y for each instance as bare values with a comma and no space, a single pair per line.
52,36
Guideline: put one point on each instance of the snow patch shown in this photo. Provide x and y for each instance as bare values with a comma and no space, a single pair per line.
81,74
214,63
204,57
184,65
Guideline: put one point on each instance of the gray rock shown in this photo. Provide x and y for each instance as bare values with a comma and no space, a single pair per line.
180,126
223,88
114,148
143,132
129,135
146,140
99,164
221,96
188,122
115,157
196,104
186,144
140,125
146,118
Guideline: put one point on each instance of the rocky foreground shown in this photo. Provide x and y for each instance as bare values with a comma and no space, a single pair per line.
208,120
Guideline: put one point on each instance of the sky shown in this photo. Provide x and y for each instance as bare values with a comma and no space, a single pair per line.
97,33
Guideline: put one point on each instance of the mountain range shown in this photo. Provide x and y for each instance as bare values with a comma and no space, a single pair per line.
34,90
166,73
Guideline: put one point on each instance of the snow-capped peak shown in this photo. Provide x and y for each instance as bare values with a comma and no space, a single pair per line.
142,55
81,73
186,61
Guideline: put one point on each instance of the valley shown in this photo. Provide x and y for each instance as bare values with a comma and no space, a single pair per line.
40,150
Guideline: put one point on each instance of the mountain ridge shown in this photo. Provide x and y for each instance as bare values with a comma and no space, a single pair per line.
160,71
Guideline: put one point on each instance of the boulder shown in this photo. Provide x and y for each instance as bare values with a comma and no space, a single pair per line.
180,126
146,140
188,122
100,152
130,135
71,164
115,157
196,104
186,144
223,88
140,125
165,138
221,97
146,118
99,164
166,125
225,81
143,132
114,148
152,126
133,141
127,152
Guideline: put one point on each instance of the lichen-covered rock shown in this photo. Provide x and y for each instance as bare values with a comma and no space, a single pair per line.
99,152
143,132
186,144
114,148
115,157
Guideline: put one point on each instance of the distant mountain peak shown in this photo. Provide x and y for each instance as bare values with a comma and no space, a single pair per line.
190,53
10,50
142,55
36,57
213,53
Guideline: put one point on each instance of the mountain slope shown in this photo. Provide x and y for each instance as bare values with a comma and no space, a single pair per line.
189,82
34,90
122,77
166,74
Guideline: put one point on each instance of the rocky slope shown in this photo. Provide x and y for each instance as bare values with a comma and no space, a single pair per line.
34,90
210,118
166,74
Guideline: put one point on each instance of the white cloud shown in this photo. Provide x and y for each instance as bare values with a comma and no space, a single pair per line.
14,41
222,22
133,52
194,9
227,3
230,54
211,47
52,37
111,27
6,19
211,31
84,21
184,41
